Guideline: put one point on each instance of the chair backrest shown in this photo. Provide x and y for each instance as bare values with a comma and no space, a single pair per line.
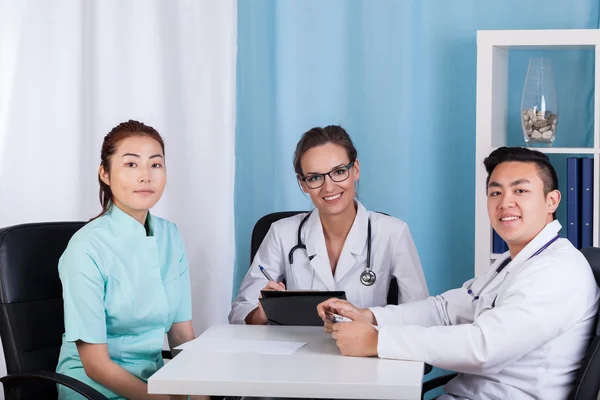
587,383
31,305
262,227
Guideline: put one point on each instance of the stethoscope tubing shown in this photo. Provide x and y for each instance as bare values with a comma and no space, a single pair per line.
504,264
367,277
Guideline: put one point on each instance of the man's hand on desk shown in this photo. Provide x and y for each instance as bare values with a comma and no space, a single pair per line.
357,338
344,308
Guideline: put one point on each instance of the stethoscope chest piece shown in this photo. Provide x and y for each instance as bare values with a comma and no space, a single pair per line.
368,277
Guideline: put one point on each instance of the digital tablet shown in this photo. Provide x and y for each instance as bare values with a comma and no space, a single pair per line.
296,307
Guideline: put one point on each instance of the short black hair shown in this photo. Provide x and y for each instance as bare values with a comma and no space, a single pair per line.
521,154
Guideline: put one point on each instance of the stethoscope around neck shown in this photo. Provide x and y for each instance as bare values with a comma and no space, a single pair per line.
477,295
367,277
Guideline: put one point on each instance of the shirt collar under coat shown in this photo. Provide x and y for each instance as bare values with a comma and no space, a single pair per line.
355,244
126,224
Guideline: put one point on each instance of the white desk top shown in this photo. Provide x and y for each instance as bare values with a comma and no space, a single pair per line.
317,370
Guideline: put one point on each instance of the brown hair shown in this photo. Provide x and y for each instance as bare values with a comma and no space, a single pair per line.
109,146
319,136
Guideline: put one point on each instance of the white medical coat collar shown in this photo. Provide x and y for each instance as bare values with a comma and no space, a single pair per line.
545,235
356,244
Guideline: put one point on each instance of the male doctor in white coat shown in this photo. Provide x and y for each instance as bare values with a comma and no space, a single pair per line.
521,330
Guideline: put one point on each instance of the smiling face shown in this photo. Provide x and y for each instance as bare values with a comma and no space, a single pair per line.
517,206
332,198
137,175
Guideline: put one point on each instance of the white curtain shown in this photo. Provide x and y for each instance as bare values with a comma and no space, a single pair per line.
72,70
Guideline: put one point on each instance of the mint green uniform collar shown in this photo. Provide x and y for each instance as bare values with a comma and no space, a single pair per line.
127,224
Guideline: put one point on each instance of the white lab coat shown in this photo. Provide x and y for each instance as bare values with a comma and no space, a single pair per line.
524,338
393,253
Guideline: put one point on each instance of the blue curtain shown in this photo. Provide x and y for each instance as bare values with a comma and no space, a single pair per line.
400,76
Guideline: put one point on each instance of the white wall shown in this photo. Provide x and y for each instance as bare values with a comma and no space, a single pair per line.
72,70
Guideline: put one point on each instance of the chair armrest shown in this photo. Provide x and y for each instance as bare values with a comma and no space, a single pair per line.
166,355
435,383
72,383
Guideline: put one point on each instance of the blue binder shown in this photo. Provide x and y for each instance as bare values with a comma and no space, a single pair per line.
574,201
587,201
497,243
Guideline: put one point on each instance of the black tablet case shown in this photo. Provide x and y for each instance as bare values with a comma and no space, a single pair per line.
297,308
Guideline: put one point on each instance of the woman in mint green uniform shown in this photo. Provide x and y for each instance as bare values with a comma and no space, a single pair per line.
125,275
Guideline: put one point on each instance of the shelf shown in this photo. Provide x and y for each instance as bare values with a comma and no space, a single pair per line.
539,39
491,120
564,150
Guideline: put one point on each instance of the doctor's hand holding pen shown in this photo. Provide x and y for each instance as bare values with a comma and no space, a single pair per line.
334,306
258,316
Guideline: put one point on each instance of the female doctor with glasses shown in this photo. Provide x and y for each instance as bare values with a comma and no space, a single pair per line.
339,245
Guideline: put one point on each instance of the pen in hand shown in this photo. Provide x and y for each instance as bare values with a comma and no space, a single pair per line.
272,285
265,273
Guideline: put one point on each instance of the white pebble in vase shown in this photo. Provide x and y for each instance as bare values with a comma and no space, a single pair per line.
547,135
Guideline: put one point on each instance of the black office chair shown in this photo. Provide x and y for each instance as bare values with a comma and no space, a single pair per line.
587,382
263,225
31,310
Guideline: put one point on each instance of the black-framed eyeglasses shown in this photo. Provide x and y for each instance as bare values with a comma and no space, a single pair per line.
338,174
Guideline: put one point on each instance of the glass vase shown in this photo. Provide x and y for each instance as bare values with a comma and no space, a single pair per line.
539,104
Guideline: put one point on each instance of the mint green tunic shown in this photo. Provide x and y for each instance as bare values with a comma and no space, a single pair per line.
123,288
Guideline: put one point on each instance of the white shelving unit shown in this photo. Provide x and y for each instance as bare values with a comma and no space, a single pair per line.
492,114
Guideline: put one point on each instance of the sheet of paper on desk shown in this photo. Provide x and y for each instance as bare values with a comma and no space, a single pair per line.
242,346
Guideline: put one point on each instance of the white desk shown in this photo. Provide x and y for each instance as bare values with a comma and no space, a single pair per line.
317,370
